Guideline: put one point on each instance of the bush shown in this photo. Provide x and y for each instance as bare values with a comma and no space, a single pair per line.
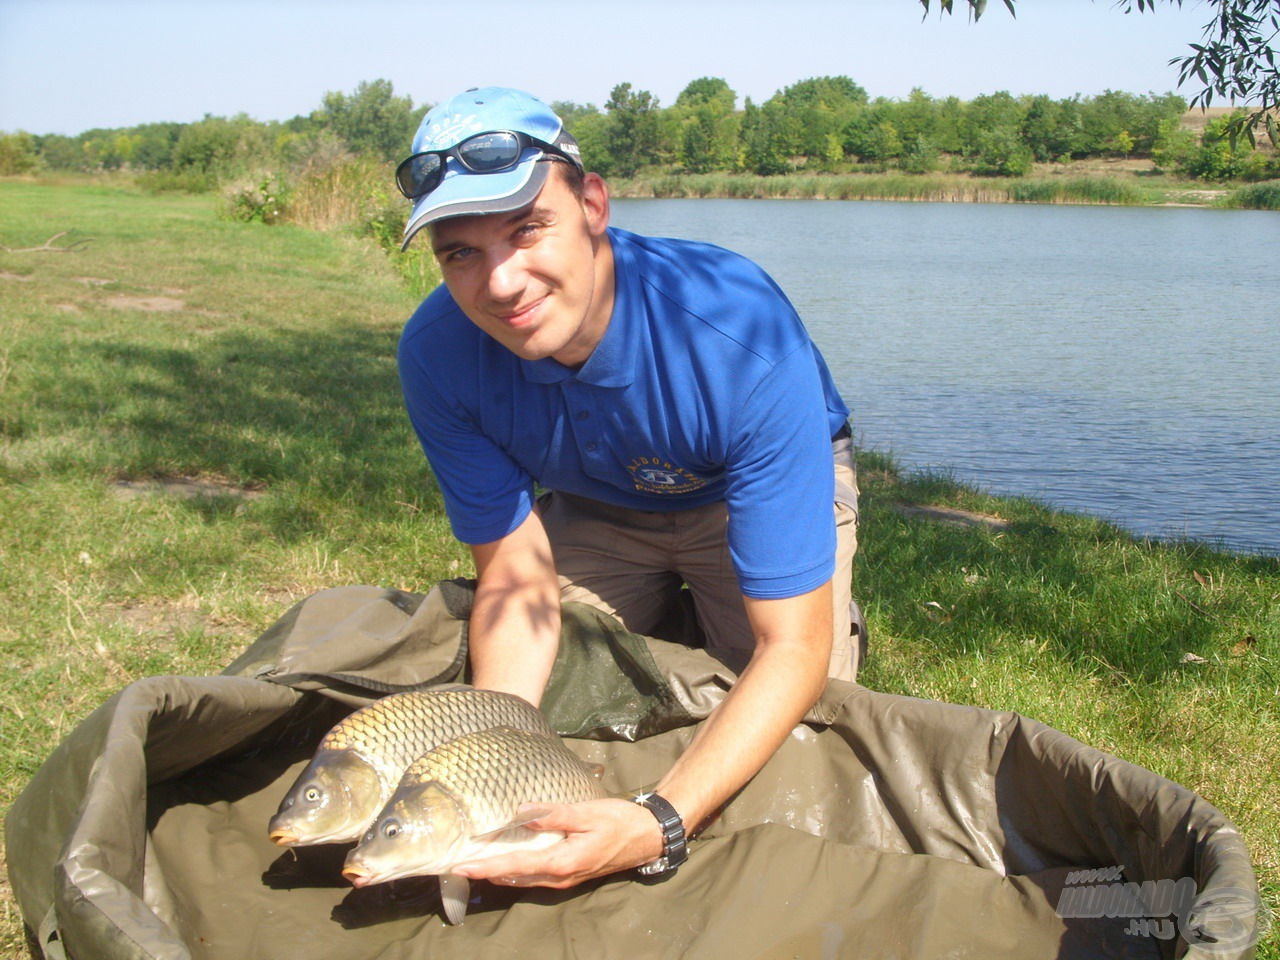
1002,153
260,199
919,157
17,154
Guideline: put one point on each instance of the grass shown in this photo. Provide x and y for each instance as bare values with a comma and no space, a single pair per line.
259,359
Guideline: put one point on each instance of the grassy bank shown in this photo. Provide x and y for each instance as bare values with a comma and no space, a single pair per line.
177,352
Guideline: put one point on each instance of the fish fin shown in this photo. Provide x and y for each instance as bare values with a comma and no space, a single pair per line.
513,826
455,892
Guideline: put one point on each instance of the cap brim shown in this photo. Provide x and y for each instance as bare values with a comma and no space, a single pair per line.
462,194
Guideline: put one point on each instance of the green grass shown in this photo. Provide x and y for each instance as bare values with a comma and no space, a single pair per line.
275,377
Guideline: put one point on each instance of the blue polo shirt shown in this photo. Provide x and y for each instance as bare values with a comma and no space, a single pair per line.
705,387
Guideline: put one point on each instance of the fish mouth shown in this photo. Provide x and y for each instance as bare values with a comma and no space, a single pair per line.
283,838
358,876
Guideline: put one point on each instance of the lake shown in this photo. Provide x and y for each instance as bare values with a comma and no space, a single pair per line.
1117,361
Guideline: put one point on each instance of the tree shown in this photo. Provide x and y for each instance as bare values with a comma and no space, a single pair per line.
762,139
221,147
17,153
707,130
992,118
590,128
635,131
1236,58
809,120
1053,129
708,90
371,120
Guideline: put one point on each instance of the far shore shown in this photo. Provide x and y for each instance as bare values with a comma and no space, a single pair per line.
1119,181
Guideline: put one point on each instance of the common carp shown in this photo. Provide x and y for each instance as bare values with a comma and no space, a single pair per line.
360,761
460,802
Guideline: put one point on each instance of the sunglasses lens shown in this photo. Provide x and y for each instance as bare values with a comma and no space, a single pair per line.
490,152
419,175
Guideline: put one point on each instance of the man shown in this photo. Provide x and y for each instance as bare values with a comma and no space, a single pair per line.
667,396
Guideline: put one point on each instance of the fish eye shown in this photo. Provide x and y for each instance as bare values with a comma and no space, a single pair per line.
312,794
391,829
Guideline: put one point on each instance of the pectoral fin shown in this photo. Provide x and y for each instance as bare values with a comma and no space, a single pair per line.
512,829
455,892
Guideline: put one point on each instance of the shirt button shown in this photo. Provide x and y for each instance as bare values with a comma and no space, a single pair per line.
582,414
591,446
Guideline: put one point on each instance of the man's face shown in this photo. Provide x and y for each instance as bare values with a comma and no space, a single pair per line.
538,280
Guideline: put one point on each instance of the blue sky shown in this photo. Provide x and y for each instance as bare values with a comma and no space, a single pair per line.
70,65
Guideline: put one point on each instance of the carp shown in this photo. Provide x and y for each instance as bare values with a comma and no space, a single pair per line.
460,803
360,761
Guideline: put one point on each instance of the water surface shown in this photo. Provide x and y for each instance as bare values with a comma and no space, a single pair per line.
1118,361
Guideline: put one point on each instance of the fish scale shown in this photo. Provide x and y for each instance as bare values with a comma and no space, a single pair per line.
499,769
396,730
461,802
359,762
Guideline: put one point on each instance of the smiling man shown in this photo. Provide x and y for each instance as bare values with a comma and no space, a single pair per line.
686,431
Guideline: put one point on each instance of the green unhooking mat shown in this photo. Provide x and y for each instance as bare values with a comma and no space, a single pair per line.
884,827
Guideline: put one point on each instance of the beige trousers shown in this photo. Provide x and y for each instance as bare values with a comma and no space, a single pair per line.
636,566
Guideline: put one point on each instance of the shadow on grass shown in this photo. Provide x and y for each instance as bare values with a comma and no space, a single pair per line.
312,408
1078,588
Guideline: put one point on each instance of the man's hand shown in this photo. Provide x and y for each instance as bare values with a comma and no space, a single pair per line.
601,837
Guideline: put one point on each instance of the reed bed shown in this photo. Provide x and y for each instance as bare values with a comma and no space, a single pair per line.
1256,196
942,188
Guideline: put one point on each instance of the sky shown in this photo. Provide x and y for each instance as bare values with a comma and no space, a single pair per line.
67,66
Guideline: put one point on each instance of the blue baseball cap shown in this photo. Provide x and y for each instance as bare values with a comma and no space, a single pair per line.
484,110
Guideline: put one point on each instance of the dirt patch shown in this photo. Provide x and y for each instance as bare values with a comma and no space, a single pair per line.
154,304
21,278
186,488
953,516
1099,166
164,618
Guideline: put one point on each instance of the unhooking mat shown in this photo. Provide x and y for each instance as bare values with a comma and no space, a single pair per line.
884,827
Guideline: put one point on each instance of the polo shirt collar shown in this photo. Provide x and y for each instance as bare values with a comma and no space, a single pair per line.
613,362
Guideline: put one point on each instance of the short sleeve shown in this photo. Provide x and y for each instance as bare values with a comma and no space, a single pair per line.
781,483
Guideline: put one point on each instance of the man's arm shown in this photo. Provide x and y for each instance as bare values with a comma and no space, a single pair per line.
515,621
785,677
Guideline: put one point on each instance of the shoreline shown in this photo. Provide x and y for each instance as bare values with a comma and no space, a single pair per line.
1059,187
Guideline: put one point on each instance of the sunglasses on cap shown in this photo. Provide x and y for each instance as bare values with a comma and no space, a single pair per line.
491,152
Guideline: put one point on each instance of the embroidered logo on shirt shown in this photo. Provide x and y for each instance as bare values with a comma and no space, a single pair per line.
655,475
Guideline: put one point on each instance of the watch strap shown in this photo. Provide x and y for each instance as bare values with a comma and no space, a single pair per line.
675,844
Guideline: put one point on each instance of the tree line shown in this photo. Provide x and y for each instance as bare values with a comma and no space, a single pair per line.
820,124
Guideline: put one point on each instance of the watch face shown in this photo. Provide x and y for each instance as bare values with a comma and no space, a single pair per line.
658,866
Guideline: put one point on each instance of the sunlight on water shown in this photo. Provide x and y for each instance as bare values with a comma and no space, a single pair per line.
1118,361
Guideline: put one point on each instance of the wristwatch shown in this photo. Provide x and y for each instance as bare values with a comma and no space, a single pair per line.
675,846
